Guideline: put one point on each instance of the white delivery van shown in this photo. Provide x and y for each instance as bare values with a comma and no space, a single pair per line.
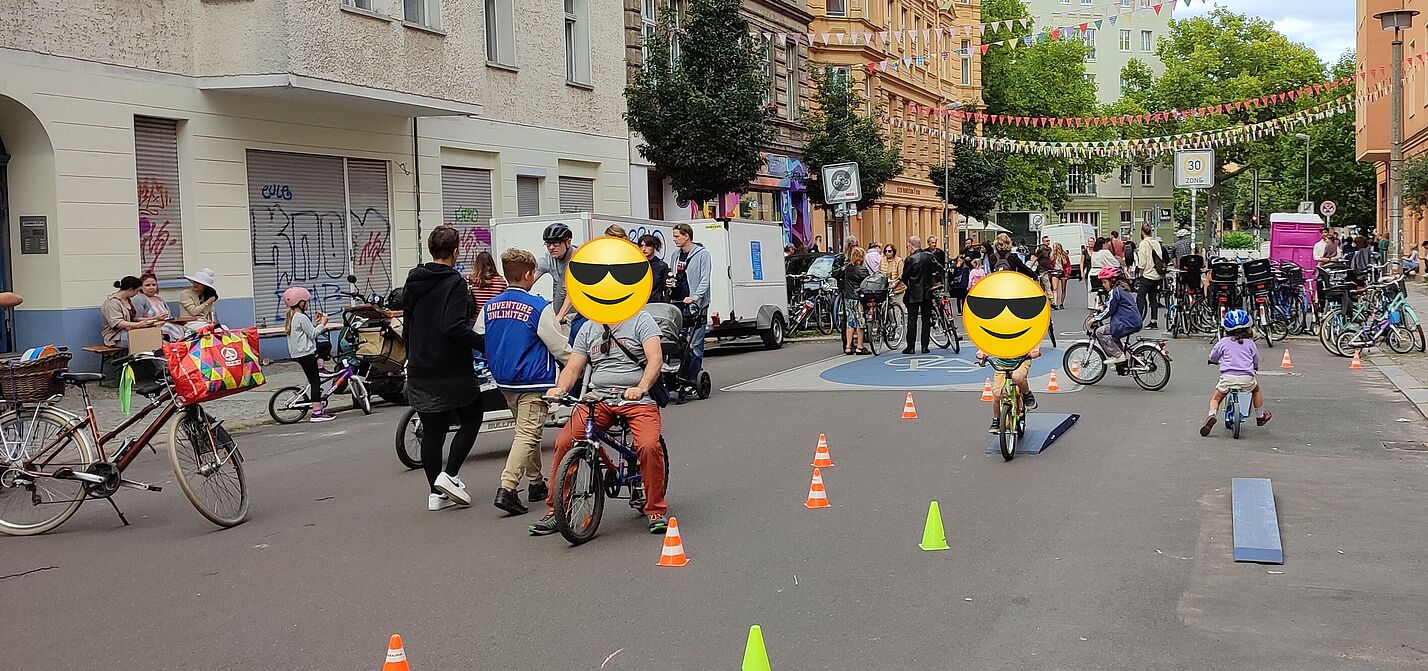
747,293
1072,237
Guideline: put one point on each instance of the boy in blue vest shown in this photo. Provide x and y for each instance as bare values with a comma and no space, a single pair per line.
523,345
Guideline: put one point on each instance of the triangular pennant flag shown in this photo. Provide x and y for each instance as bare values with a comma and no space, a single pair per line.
984,48
1157,8
1113,19
1098,24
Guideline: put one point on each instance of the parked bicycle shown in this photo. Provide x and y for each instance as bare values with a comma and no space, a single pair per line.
53,460
814,309
290,405
944,325
886,319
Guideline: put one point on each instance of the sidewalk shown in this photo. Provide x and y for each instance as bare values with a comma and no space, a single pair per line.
243,410
1408,372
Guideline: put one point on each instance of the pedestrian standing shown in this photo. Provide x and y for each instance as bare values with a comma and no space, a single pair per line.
441,377
874,258
1117,247
523,346
850,278
692,272
659,270
891,267
485,281
1151,259
917,277
303,333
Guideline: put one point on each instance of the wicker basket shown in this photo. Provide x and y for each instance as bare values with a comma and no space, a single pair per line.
33,381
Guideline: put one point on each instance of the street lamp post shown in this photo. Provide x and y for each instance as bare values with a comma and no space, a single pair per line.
1397,21
1305,138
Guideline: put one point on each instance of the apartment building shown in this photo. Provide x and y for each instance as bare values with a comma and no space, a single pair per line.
1374,115
280,142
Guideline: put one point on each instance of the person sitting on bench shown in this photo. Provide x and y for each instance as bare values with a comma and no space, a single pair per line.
116,314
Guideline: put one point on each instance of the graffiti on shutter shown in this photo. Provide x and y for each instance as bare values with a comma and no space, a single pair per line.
527,196
160,221
577,194
466,204
297,211
370,225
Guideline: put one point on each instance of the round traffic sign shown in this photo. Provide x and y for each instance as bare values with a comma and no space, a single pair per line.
842,180
1328,208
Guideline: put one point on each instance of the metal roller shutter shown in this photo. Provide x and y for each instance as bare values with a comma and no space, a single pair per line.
160,220
466,204
370,225
577,194
297,208
527,196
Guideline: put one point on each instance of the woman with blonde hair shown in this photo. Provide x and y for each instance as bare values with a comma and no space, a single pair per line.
1060,275
850,278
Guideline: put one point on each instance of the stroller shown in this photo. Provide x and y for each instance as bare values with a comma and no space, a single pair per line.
676,336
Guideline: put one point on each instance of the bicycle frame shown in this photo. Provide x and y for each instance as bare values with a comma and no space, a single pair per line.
130,451
596,438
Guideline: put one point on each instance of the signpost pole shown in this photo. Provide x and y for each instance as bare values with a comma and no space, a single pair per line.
1193,208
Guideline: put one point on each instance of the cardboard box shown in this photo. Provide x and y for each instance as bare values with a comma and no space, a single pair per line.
146,339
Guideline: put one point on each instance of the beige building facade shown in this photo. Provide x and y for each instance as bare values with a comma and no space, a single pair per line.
287,142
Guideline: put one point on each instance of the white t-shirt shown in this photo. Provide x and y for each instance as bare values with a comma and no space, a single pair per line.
1319,249
1102,258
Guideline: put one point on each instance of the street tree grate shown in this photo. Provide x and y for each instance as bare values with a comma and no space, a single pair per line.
1405,445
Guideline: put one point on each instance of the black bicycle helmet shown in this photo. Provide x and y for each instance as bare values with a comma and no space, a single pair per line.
557,232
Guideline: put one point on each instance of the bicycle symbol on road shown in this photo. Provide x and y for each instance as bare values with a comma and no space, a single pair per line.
931,362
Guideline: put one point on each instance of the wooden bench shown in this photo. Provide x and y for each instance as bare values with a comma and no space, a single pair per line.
107,353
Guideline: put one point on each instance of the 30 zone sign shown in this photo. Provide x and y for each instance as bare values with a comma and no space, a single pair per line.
1194,168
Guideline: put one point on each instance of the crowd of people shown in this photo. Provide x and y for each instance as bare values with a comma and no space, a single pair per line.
136,304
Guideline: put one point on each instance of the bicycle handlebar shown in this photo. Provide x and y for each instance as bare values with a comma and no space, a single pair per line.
592,398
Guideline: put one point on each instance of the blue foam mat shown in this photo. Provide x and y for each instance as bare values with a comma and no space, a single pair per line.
1042,429
1256,521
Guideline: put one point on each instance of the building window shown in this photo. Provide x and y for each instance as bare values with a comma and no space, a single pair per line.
676,24
1147,175
868,92
527,196
647,29
771,94
1089,37
1126,219
500,32
1085,2
790,79
1147,41
1125,3
1091,218
1080,181
361,4
1125,175
1145,4
966,54
160,219
1065,2
425,13
1125,40
837,7
577,43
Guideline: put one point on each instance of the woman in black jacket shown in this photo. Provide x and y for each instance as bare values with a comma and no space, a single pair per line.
441,380
659,270
850,277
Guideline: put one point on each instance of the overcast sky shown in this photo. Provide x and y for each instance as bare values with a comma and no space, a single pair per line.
1327,26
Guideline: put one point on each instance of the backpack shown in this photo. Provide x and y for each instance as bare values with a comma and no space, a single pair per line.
658,392
1001,262
1157,259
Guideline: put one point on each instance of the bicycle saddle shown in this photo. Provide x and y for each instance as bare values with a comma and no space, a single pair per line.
79,378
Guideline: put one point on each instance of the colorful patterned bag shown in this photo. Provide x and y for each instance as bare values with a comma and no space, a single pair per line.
217,363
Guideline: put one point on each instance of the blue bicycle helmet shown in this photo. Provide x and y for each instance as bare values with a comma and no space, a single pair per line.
1235,319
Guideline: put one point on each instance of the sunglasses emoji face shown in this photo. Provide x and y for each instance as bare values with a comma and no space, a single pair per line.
608,280
1007,314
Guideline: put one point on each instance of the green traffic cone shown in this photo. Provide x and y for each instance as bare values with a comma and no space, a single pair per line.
756,658
933,537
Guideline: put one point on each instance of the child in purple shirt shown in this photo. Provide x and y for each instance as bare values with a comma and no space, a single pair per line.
1239,360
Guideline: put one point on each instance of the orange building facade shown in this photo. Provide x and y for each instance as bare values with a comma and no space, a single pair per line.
931,33
1374,116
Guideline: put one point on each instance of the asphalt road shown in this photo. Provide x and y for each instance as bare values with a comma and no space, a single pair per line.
1111,550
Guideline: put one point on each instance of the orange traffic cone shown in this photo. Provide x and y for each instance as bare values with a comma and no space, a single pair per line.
817,496
1356,363
909,411
821,457
396,655
1285,363
1052,385
987,390
672,555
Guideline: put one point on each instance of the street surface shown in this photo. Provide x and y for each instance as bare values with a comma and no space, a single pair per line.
1111,550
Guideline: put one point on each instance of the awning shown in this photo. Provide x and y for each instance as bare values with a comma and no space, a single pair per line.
298,88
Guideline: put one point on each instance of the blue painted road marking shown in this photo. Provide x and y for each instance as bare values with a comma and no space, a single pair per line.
940,368
1256,522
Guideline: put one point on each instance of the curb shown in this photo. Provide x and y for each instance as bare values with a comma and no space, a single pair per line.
1409,386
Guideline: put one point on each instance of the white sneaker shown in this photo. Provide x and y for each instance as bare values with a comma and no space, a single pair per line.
438,502
454,488
1120,358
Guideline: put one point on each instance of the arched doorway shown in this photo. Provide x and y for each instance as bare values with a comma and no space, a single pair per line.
30,261
7,315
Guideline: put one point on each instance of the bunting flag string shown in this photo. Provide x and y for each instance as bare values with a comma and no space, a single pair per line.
1155,146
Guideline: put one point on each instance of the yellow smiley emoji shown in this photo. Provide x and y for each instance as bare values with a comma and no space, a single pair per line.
1007,314
608,280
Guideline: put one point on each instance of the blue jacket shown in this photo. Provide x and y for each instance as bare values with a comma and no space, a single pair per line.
1123,315
519,358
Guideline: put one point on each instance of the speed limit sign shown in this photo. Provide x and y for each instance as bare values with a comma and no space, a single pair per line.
1194,168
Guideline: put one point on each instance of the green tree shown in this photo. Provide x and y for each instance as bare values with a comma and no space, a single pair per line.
839,133
974,180
703,118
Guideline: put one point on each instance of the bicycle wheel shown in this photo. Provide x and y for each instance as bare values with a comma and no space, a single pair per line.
957,337
1008,434
1399,340
1083,364
288,405
1150,367
1330,326
209,467
894,325
361,399
1277,331
34,506
824,317
409,439
1235,420
874,332
939,336
579,497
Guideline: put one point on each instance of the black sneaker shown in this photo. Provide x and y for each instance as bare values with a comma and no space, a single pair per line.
996,425
908,350
507,500
1028,400
545,526
658,525
1152,326
537,491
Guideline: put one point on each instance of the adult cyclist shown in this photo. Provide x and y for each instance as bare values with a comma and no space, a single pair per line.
558,251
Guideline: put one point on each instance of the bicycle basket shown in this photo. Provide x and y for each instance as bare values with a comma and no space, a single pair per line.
383,349
33,381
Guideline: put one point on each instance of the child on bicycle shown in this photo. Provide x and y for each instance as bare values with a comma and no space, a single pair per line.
303,348
1020,369
1239,359
1119,318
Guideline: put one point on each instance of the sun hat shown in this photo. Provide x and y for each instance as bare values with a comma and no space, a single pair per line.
203,276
